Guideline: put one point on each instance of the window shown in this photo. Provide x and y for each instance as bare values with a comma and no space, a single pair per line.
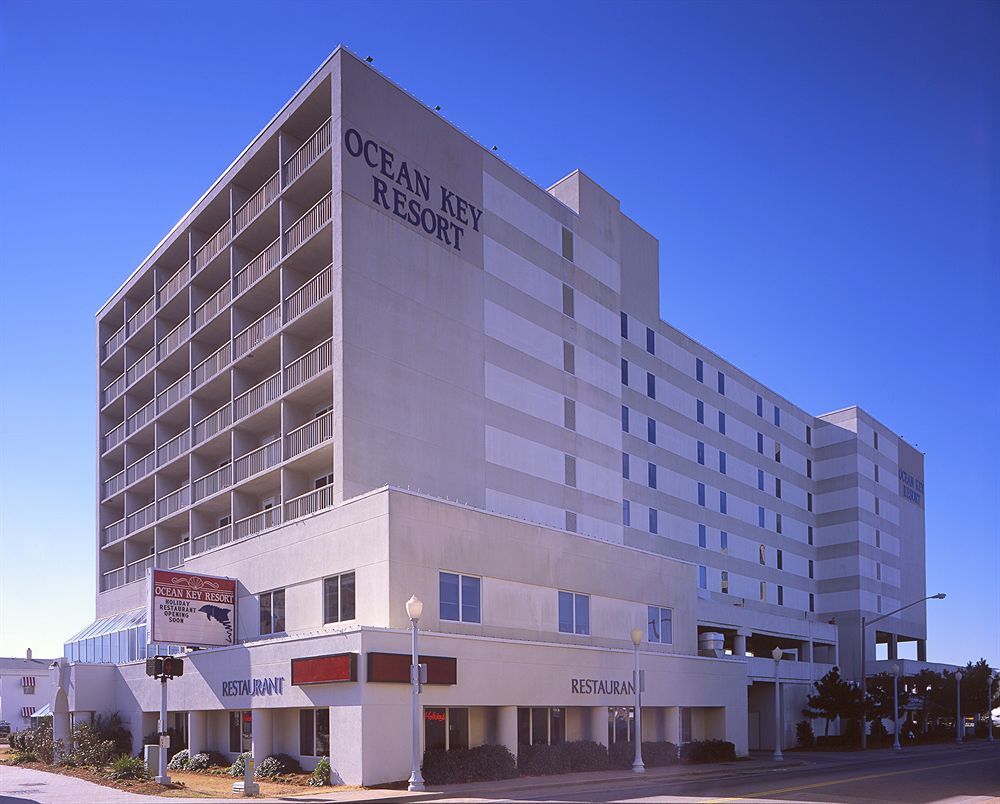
777,487
722,462
777,523
810,534
702,578
777,416
624,371
722,383
809,435
626,513
762,555
723,541
878,571
272,612
569,413
624,419
781,595
760,405
725,582
314,732
760,516
722,422
723,503
880,604
650,341
878,538
812,602
338,598
651,430
876,472
653,524
541,726
567,244
652,475
777,452
700,411
650,385
240,731
763,592
701,453
701,494
780,560
624,325
571,521
876,506
702,538
875,440
460,597
574,613
569,470
699,370
320,482
809,500
569,358
811,569
446,728
568,301
625,465
660,627
760,443
760,479
809,468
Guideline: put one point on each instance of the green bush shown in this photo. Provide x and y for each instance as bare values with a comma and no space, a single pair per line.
484,763
22,756
586,755
238,767
128,767
37,742
321,775
659,754
543,760
804,736
180,761
110,727
268,769
708,751
90,749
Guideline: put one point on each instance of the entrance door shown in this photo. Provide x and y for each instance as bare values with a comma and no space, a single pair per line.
240,731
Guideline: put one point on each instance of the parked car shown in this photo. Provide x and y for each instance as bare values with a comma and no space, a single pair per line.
4,728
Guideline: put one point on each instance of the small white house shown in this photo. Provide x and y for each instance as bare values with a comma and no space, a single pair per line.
25,687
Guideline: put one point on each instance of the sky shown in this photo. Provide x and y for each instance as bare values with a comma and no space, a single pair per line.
823,179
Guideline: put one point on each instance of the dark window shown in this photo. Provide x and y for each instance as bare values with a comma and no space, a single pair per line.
723,506
539,725
722,383
723,541
701,453
812,602
574,613
760,516
781,596
571,521
777,452
811,568
700,411
568,301
777,416
659,625
699,370
809,500
722,422
777,487
322,732
650,341
722,462
809,435
557,730
777,523
760,405
458,728
702,578
307,732
650,385
810,534
338,598
625,466
809,469
652,475
875,440
760,479
272,612
624,371
651,430
725,583
448,584
569,470
701,494
702,539
624,325
569,413
435,729
878,538
780,560
567,244
760,443
624,419
470,599
626,513
653,523
569,358
762,556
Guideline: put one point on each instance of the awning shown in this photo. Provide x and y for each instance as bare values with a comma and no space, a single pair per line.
45,711
27,711
28,681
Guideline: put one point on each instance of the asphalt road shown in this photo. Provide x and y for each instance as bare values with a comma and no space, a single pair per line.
941,775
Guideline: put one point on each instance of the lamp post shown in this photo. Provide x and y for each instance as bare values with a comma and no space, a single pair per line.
958,707
414,608
864,686
895,707
989,704
637,766
777,756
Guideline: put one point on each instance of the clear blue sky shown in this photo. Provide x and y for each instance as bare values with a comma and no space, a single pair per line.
824,180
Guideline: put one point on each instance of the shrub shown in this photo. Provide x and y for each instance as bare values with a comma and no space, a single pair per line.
483,763
197,762
621,754
37,742
90,749
180,761
543,760
321,775
237,768
22,756
659,754
586,755
18,740
804,736
708,751
128,767
268,769
110,727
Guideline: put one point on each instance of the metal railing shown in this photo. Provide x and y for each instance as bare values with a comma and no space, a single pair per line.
174,338
310,151
257,203
207,541
174,501
263,393
258,332
256,523
114,389
309,435
257,461
141,417
113,532
142,315
212,483
141,366
113,484
140,468
173,393
309,365
114,343
213,423
258,267
144,516
114,437
310,223
173,448
136,571
309,294
175,283
211,307
174,556
212,247
309,503
212,364
112,579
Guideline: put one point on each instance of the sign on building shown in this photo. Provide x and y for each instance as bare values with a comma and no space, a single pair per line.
189,609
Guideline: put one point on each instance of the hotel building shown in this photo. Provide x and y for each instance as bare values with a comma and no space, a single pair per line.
374,360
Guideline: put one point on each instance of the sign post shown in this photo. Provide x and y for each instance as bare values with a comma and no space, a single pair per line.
164,777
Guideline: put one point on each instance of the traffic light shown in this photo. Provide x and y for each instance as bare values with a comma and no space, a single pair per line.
164,666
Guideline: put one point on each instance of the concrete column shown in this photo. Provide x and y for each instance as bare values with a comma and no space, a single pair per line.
261,739
599,724
893,647
507,728
672,716
197,732
921,650
739,645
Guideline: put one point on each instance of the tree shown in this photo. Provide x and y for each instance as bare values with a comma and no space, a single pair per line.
833,697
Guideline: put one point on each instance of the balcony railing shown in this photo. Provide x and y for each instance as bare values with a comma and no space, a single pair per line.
173,448
310,223
173,393
136,571
113,532
174,338
257,203
260,460
310,151
258,332
213,364
113,579
208,541
309,365
213,482
114,437
256,523
114,389
141,417
309,503
173,556
263,393
258,267
213,423
114,484
212,305
141,468
142,315
214,245
141,366
173,502
309,435
141,518
175,283
310,293
114,343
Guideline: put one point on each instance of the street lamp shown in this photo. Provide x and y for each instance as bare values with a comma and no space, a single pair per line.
895,707
777,756
864,686
414,608
637,766
989,702
958,707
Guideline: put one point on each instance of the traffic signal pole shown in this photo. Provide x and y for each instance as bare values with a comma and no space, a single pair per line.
163,777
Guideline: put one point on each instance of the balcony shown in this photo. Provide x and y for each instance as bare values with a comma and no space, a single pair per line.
140,468
212,483
141,366
309,435
173,502
141,518
114,343
113,579
114,437
141,316
173,556
208,541
113,485
257,461
212,306
212,247
213,424
174,338
257,203
309,365
113,390
173,393
309,503
311,150
310,223
113,532
258,267
173,285
310,293
258,332
141,417
212,364
136,571
262,394
173,448
257,523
